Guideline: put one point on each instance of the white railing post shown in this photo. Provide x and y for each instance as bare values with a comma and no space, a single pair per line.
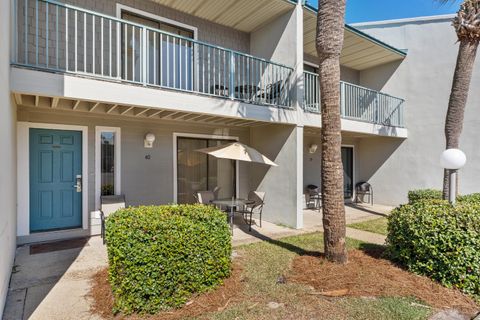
232,75
342,98
144,56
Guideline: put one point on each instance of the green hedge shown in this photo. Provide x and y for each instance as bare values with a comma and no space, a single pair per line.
438,240
424,194
159,256
469,198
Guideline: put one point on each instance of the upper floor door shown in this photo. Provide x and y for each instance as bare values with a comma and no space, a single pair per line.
169,59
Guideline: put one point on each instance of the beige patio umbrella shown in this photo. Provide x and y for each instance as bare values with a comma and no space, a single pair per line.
237,151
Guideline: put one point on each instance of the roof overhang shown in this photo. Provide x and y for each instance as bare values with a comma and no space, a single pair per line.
245,15
360,51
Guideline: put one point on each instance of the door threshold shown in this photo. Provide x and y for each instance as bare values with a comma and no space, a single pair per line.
52,235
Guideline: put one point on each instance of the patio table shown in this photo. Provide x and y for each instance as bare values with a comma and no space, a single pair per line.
231,203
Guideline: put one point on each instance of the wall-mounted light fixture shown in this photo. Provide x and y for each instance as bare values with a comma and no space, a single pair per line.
149,139
313,148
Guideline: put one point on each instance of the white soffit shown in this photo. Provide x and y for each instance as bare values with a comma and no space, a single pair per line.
243,15
360,51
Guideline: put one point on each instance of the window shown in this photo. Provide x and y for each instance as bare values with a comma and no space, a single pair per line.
310,68
107,147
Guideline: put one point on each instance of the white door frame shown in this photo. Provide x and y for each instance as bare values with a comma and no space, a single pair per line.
23,172
201,136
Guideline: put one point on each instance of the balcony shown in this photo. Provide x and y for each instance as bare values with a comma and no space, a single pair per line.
61,38
358,103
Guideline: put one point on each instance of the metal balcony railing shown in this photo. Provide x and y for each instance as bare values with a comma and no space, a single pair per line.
357,103
63,38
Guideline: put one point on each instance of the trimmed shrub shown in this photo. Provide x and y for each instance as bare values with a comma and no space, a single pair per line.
159,256
424,194
469,198
435,239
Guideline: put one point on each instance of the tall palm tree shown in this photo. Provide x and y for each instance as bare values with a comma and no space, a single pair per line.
467,27
329,43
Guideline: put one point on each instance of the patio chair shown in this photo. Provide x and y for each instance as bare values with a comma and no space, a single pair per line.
205,197
314,196
364,189
108,205
256,207
273,92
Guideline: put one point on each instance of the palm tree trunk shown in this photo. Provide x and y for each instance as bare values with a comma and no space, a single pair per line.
329,43
458,99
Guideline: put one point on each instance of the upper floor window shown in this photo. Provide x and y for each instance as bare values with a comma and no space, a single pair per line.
310,68
137,18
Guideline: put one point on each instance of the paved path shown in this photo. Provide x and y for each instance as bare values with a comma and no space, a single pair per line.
366,236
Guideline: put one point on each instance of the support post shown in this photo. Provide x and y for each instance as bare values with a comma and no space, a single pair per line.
452,186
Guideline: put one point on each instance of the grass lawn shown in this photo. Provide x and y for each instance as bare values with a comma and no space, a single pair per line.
376,226
265,262
282,279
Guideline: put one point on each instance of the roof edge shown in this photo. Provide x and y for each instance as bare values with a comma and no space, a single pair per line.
404,20
362,34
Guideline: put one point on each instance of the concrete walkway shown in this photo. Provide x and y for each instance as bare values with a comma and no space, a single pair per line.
49,284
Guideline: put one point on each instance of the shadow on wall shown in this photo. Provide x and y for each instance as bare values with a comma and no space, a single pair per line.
373,153
377,77
270,140
278,143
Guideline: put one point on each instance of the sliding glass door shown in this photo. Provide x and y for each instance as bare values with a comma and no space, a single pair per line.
198,171
169,59
347,160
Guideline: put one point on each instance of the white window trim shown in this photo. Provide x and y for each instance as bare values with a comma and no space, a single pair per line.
118,161
23,172
152,16
202,136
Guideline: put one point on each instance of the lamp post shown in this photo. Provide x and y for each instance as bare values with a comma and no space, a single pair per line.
452,160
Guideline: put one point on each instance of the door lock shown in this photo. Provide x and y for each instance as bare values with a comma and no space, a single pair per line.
78,183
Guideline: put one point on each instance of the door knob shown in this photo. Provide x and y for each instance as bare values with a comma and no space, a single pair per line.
78,183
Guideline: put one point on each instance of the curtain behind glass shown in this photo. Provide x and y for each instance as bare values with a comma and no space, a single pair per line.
197,171
191,169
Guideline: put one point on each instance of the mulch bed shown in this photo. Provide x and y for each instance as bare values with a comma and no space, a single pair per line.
216,300
368,275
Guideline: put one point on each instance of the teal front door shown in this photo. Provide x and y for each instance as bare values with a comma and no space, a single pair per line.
55,179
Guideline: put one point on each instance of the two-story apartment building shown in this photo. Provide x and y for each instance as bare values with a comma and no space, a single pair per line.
85,86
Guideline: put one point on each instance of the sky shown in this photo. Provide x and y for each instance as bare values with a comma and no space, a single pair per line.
374,10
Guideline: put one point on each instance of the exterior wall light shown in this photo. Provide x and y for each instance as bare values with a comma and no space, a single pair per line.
313,148
149,139
452,160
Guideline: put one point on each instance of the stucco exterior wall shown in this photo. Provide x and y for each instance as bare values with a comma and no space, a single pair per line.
424,79
279,143
8,181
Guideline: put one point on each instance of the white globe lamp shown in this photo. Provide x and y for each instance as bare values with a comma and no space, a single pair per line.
452,160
